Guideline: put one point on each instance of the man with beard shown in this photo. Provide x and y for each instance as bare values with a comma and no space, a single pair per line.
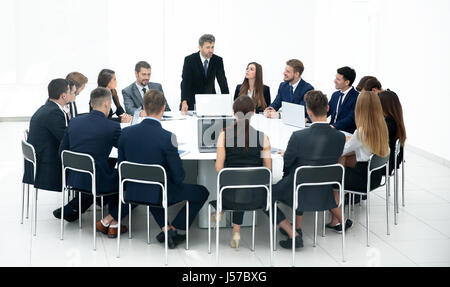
134,93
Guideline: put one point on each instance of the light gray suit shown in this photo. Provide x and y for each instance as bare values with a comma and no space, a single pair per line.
132,98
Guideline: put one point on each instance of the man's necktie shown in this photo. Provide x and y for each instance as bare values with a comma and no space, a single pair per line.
339,105
144,90
291,92
205,67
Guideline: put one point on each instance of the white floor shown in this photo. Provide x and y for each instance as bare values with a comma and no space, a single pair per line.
422,237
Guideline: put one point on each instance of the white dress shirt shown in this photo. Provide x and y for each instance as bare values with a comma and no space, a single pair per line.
343,98
354,144
294,86
63,111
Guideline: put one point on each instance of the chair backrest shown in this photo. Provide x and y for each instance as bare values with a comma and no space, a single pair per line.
81,162
244,178
377,162
316,176
152,174
28,151
397,148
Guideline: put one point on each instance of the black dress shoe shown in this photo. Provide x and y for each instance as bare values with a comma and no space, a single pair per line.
288,242
283,232
338,227
70,215
170,238
179,238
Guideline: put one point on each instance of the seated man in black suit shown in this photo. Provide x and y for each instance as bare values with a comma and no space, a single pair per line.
149,143
95,135
318,145
46,131
200,70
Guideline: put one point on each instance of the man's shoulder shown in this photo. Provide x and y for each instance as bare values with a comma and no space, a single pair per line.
154,85
128,89
216,58
191,56
307,86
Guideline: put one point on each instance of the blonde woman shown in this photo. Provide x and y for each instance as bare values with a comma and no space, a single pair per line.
370,137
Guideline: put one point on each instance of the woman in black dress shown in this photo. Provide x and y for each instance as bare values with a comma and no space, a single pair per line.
236,148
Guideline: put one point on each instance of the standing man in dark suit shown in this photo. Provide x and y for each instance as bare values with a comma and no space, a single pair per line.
318,145
80,82
46,131
95,135
292,90
199,72
133,94
136,145
343,102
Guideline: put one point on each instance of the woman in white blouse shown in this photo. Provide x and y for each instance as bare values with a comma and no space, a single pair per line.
370,137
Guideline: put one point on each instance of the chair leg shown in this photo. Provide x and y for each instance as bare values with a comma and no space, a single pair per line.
343,232
79,209
118,233
35,210
209,228
270,235
275,227
395,196
28,201
253,230
293,236
165,237
148,225
129,221
62,212
94,221
101,199
187,225
23,202
324,218
387,207
316,215
403,183
367,216
217,236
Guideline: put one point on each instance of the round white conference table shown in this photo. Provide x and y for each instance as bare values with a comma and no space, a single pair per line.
200,166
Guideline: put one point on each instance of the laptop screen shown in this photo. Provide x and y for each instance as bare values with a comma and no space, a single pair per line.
209,130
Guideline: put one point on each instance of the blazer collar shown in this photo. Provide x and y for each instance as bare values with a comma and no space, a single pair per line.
150,122
136,93
97,113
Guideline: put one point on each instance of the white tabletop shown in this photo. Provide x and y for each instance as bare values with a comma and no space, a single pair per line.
185,128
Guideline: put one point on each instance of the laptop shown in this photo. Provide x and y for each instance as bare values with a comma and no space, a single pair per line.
210,105
293,114
209,130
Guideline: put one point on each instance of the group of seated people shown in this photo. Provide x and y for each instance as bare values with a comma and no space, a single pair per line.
371,115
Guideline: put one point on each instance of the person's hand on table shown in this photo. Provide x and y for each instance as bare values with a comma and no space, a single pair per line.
125,118
184,108
281,152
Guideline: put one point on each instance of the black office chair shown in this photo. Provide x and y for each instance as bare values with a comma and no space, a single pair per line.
29,155
84,163
151,174
375,163
241,178
315,176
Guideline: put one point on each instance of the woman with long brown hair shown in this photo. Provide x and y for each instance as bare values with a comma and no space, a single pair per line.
241,145
253,87
393,114
370,137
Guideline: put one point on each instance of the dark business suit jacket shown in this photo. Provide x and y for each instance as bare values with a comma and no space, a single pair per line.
95,135
318,145
149,143
194,80
266,97
299,94
46,131
346,115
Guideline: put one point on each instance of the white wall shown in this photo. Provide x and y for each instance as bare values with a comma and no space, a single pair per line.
404,43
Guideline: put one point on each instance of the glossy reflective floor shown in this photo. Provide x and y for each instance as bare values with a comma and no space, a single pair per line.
421,238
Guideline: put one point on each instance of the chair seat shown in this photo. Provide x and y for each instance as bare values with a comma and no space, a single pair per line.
88,192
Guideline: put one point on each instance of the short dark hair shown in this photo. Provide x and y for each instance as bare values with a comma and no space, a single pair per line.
154,102
99,95
297,65
104,77
57,87
78,78
142,64
316,102
372,83
206,38
348,73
